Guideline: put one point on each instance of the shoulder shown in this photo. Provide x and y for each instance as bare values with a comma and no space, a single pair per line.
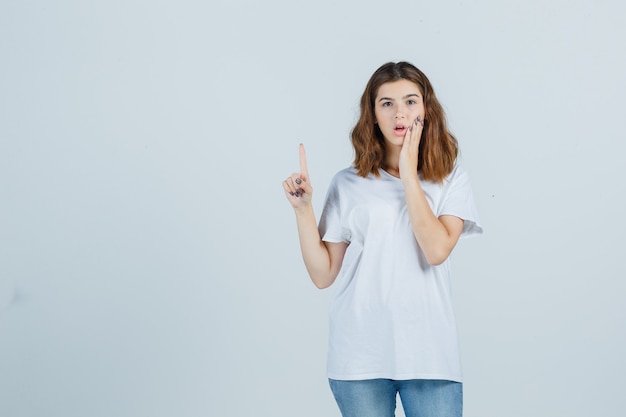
458,174
458,180
344,182
348,172
345,176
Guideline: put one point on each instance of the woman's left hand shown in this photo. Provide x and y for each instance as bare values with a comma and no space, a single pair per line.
410,149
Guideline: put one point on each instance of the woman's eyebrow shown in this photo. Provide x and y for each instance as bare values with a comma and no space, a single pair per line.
407,96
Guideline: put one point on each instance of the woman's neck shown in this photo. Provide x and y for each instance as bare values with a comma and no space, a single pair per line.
392,160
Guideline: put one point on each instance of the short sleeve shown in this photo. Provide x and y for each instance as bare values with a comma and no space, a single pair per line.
458,201
331,226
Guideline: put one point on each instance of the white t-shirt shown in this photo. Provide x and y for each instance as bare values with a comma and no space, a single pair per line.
391,315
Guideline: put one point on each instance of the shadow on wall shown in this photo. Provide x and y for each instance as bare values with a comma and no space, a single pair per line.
9,295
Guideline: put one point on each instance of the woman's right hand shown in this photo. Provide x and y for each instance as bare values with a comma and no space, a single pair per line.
297,187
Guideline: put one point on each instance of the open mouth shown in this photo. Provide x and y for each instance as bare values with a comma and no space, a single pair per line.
399,129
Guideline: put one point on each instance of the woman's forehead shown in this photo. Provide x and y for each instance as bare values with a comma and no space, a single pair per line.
399,88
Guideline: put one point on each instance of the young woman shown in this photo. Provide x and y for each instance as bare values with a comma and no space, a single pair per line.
388,226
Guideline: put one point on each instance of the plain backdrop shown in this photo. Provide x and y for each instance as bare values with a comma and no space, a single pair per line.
149,262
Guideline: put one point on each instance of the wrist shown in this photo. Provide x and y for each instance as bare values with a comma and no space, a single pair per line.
412,178
305,209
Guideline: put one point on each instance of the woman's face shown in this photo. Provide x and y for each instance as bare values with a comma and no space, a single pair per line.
396,106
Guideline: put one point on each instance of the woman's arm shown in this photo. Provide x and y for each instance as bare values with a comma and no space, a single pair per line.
437,236
322,259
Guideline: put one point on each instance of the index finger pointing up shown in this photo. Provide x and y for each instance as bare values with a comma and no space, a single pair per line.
303,168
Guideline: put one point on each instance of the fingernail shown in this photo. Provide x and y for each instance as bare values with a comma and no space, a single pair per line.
298,193
419,118
292,193
410,128
298,181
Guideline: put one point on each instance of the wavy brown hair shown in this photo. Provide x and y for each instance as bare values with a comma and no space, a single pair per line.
438,148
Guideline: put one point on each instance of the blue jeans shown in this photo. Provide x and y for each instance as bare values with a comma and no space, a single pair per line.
377,397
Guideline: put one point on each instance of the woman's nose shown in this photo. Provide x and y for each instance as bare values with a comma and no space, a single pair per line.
401,111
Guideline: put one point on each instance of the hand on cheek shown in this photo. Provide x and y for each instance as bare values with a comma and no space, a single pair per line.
410,148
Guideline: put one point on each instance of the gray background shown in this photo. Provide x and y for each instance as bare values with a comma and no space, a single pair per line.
149,261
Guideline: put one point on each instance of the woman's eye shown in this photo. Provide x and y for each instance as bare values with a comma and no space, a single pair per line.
387,104
410,102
